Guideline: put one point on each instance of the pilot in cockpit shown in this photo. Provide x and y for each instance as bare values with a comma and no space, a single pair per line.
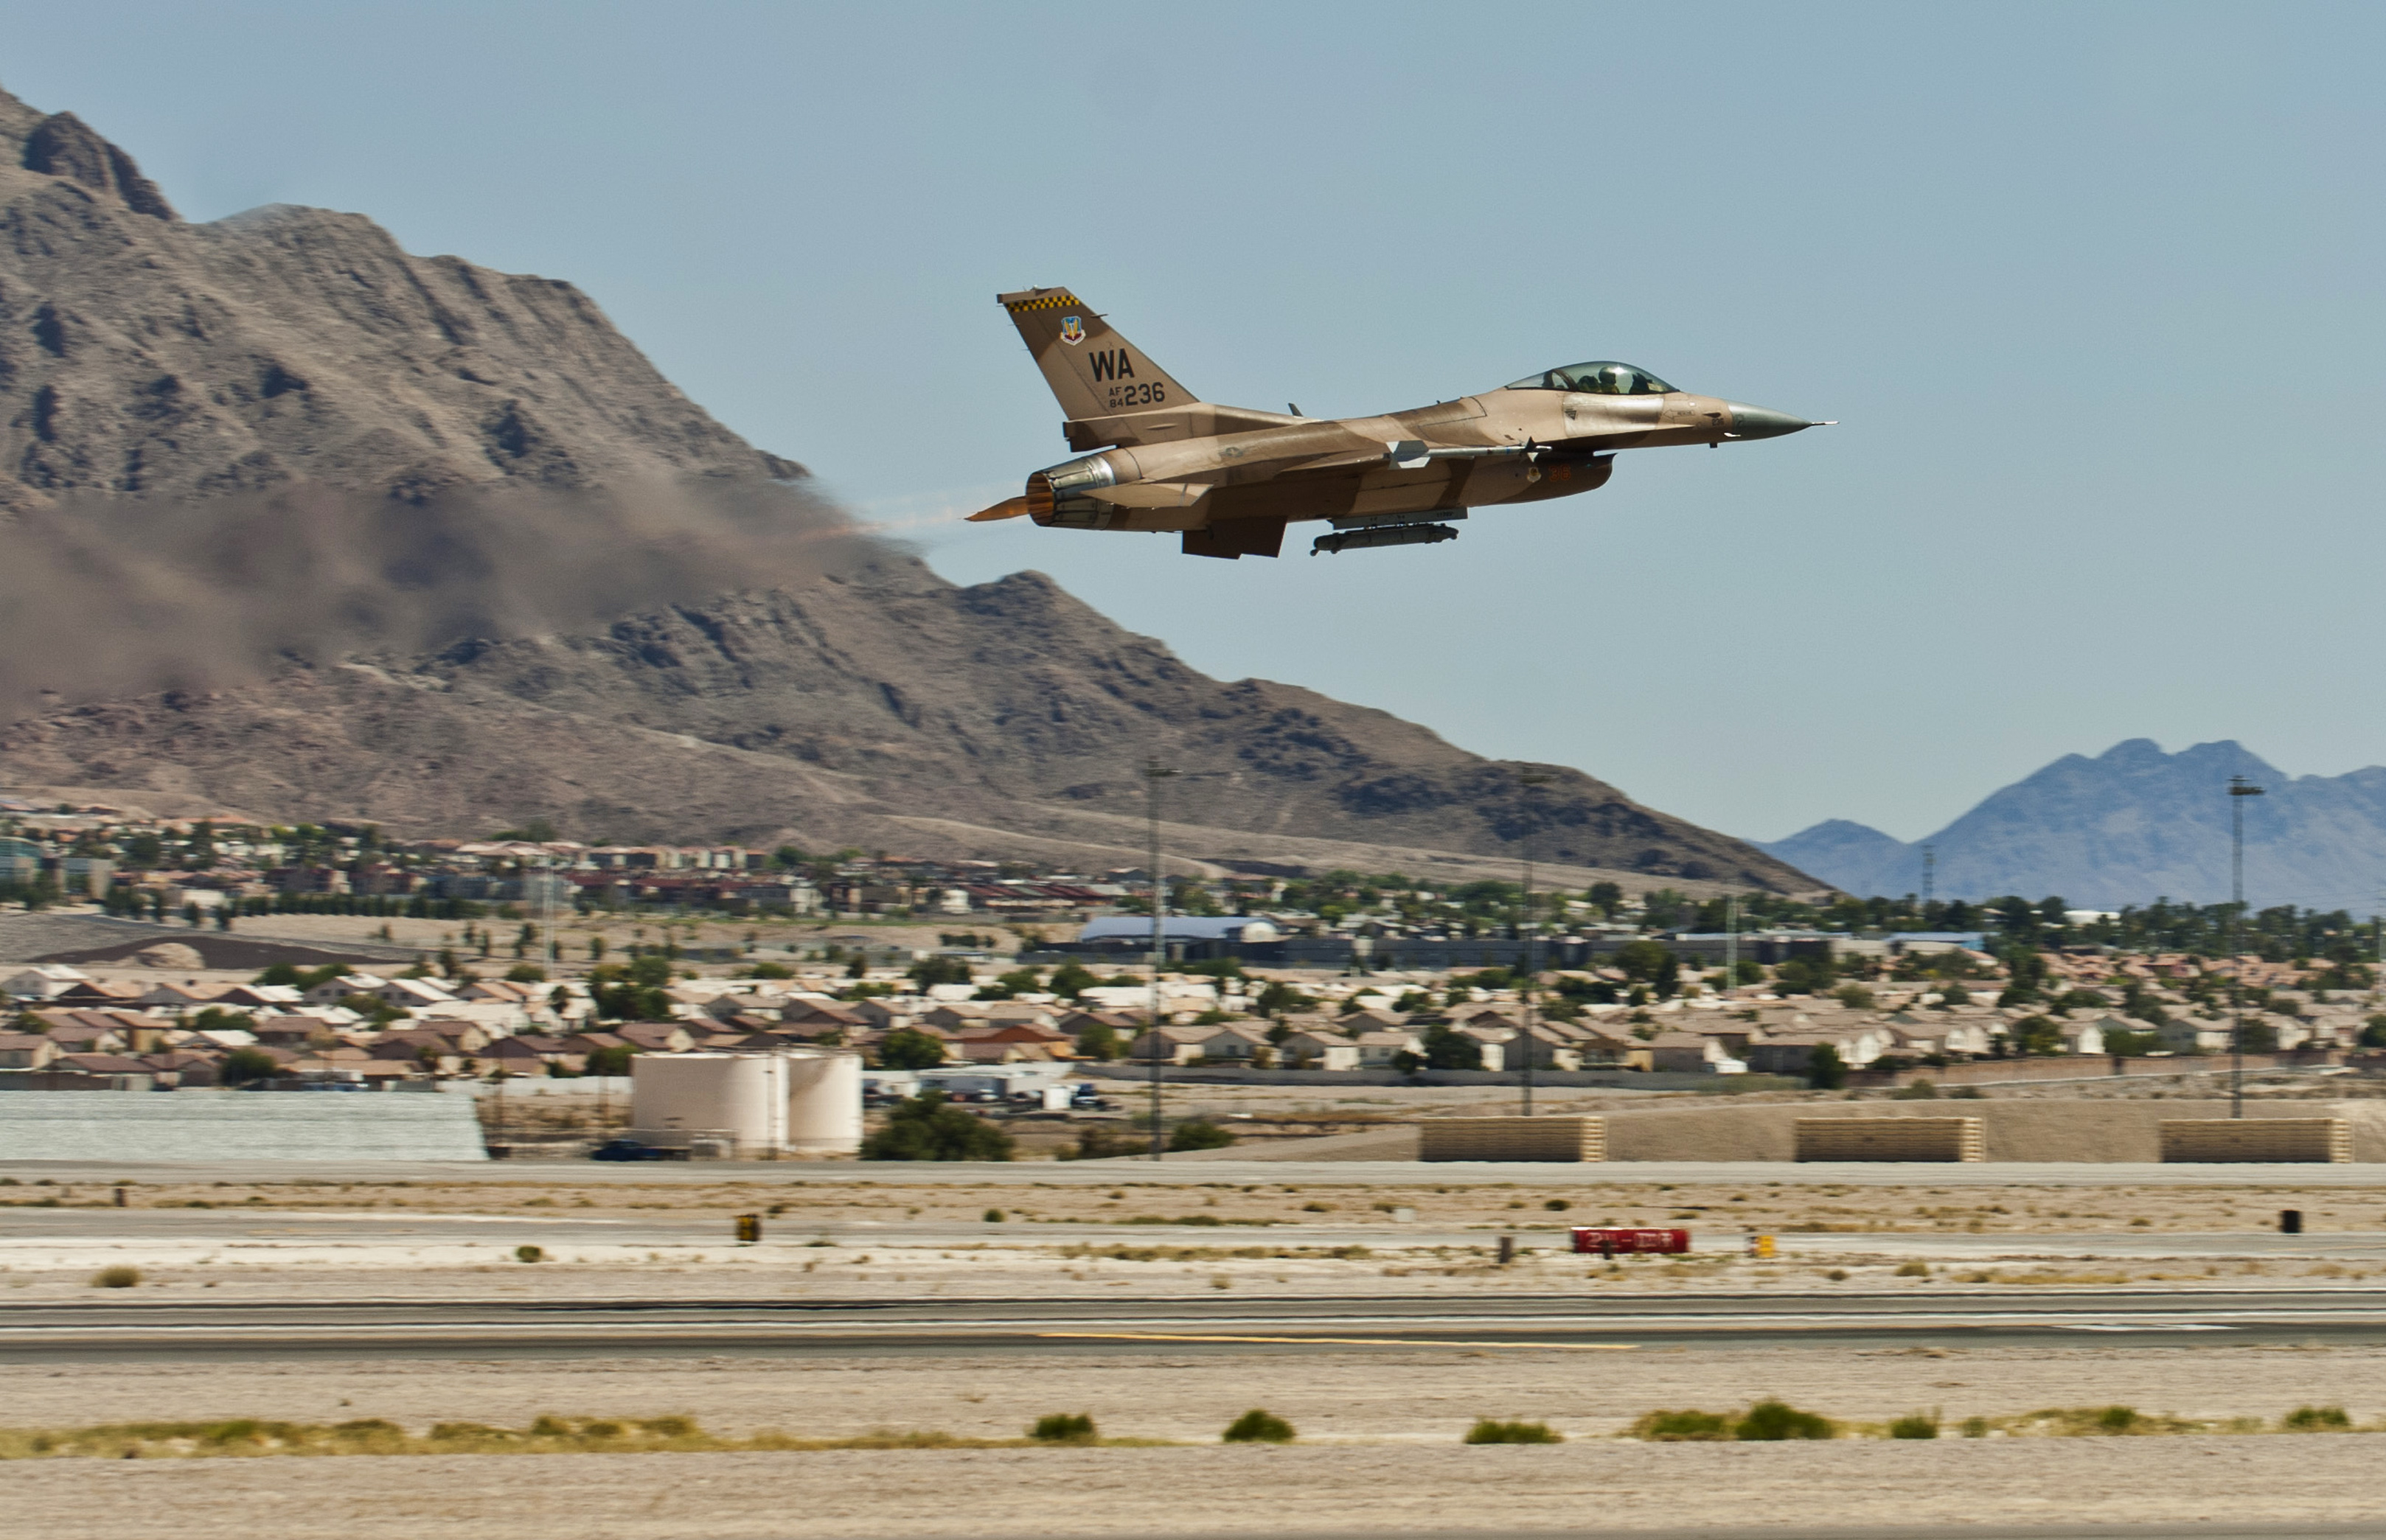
1604,377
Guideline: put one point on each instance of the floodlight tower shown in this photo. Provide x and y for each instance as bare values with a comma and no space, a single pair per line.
2238,789
1531,780
1154,774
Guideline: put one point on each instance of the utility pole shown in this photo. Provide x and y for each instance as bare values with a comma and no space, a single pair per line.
2238,789
1731,944
1531,780
1154,774
1929,877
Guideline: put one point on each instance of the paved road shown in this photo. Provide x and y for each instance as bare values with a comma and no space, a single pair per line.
31,1229
1228,1173
84,1330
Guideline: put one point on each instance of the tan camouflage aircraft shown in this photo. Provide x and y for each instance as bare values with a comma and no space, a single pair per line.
1231,478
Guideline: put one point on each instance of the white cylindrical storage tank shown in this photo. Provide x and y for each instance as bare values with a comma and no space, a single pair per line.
736,1095
823,1102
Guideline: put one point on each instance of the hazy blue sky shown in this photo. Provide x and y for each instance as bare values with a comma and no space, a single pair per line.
2094,288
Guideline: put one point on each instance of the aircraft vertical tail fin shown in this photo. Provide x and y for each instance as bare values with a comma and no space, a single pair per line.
1093,370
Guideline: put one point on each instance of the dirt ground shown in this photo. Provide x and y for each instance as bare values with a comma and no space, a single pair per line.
1380,1428
1421,1397
1326,1489
864,1240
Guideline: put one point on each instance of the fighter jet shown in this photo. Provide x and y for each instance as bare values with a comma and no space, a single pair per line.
1230,478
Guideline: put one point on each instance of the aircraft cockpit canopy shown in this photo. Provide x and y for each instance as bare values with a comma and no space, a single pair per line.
1604,377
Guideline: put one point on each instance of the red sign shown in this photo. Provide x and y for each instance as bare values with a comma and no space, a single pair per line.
1616,1242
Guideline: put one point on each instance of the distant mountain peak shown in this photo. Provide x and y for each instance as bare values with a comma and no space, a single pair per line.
2130,825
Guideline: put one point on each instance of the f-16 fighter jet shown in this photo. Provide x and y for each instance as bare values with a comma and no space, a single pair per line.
1231,478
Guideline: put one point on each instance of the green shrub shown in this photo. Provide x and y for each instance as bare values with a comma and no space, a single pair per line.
1557,1205
1258,1426
1063,1427
1682,1427
1770,1422
1487,1431
2316,1419
1914,1426
530,1254
116,1278
1914,1270
925,1128
1976,1427
992,1216
1198,1133
2116,1419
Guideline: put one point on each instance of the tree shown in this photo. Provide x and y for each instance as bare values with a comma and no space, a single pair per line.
1068,980
200,854
935,970
1606,897
2027,982
612,1058
925,1128
1281,999
2037,1034
1650,963
1448,1048
526,973
144,852
1099,1042
1824,1069
1807,975
907,1049
248,1067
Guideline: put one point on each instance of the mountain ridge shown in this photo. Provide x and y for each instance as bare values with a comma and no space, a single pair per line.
2128,826
314,527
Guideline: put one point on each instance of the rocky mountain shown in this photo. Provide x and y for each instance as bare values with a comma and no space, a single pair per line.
2128,826
304,525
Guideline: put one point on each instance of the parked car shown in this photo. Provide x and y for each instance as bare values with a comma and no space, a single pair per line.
626,1149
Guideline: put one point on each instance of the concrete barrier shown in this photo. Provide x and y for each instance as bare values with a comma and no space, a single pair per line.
1936,1139
2324,1141
1562,1139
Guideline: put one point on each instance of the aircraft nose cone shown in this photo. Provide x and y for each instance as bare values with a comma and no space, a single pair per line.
1762,421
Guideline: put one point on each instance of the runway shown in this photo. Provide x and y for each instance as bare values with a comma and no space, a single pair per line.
185,1330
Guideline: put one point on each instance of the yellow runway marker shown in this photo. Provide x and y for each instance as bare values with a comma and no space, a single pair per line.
1343,1342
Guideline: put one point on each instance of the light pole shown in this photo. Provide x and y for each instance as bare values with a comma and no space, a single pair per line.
1154,774
1531,780
1731,944
2238,789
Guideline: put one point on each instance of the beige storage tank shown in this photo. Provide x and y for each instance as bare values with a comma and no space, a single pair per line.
757,1106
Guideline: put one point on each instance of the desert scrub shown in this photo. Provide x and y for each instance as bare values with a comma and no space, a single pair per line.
251,1438
1681,1427
1258,1426
1488,1431
2316,1419
1064,1427
1769,1422
116,1278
